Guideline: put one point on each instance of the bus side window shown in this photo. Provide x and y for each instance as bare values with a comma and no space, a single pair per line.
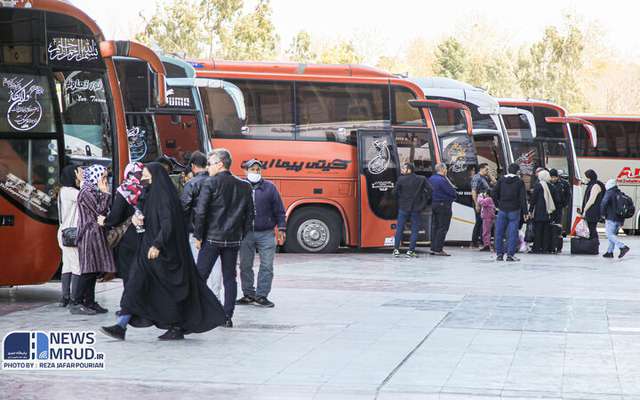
403,113
334,112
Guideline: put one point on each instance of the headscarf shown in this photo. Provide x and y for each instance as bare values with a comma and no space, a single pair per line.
91,176
68,176
130,188
591,174
544,178
611,183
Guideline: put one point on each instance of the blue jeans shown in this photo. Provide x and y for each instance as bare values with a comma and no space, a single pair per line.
403,217
612,228
507,221
265,243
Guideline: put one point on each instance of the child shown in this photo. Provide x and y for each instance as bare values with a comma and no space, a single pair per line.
488,215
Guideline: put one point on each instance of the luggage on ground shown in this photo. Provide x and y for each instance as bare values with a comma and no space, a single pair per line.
585,246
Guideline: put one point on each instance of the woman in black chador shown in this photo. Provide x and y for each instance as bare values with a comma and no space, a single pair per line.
164,288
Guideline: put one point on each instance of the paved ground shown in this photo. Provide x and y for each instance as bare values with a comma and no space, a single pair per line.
362,325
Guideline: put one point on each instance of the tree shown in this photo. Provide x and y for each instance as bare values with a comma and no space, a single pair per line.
300,48
212,28
550,67
175,28
451,59
219,17
343,52
253,36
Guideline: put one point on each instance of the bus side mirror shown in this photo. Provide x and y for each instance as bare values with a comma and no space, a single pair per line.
125,48
588,126
233,91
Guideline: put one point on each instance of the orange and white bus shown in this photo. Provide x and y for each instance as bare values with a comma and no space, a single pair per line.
59,103
552,145
331,137
616,156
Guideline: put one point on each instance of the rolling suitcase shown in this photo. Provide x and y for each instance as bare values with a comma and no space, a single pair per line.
584,246
556,238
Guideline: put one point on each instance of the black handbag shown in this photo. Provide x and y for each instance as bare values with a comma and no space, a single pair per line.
70,237
529,234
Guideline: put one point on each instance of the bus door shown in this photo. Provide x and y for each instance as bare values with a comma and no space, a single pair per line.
380,155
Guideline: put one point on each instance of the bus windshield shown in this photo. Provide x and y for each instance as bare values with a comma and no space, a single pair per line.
53,104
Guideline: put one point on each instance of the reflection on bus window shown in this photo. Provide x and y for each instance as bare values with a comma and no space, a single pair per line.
29,174
85,114
518,127
334,112
25,104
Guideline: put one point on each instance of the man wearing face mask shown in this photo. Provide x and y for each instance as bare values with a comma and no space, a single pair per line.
269,213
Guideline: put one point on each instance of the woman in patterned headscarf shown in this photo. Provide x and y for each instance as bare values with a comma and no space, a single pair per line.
95,255
125,202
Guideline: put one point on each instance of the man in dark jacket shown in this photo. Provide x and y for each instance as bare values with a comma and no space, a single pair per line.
269,214
190,192
510,197
223,216
613,222
412,192
443,195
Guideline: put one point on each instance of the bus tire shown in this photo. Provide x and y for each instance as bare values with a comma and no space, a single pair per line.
313,230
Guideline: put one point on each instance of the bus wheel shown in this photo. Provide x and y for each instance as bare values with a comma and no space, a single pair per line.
313,230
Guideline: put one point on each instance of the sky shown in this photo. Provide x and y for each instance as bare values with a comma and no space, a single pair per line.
390,25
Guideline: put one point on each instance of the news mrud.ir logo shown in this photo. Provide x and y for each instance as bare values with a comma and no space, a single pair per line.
51,350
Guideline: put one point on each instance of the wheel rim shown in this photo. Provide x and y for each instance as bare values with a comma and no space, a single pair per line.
313,235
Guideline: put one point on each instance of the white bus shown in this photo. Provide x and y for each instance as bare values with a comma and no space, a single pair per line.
489,142
552,146
617,155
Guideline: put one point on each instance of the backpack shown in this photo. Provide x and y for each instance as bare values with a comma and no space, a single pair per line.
624,205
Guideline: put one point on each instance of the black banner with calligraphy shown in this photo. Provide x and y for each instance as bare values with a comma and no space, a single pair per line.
73,51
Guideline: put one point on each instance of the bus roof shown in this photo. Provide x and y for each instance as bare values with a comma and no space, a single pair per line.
457,90
533,103
289,68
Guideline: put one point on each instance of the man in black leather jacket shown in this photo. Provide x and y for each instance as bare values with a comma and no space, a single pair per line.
190,193
223,216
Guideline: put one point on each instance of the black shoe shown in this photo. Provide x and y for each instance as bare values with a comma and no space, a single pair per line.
64,301
512,259
174,333
500,257
114,331
609,255
97,308
624,251
246,300
139,322
79,309
486,248
264,302
228,323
